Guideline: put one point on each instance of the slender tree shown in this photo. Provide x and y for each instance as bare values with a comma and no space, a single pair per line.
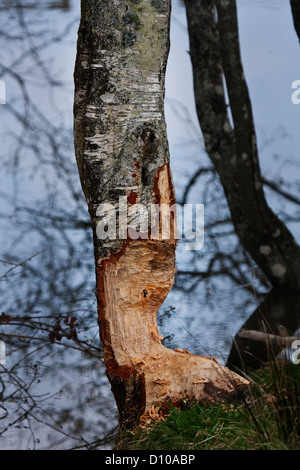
215,54
122,151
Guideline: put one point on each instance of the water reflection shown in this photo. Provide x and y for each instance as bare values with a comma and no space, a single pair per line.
53,389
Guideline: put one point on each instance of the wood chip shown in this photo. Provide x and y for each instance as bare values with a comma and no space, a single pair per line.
184,351
163,391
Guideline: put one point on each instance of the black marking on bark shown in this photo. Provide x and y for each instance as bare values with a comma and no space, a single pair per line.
150,143
131,18
145,177
128,39
130,397
158,3
148,136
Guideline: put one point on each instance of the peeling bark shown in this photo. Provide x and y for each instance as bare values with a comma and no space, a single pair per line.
215,51
122,150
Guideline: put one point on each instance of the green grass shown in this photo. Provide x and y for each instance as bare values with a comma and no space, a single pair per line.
267,419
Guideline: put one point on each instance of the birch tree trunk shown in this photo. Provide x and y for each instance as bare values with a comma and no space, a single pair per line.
122,151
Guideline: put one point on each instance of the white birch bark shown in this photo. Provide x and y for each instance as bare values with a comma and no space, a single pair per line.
122,150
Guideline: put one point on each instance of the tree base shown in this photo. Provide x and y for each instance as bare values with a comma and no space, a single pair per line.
168,378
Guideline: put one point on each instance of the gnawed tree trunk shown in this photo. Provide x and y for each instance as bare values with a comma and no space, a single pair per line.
122,150
215,52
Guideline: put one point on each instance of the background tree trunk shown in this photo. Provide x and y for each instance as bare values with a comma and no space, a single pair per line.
122,150
215,51
276,317
295,6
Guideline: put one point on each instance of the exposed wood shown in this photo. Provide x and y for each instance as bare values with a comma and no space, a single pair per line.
122,150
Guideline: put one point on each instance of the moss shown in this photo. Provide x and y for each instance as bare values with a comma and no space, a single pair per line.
151,39
131,18
158,3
